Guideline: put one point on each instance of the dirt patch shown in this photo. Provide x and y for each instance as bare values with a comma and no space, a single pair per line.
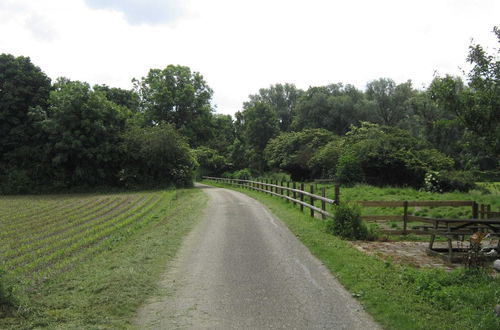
413,253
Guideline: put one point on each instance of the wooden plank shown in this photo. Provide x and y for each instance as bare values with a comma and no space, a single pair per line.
414,203
380,203
440,203
382,217
412,218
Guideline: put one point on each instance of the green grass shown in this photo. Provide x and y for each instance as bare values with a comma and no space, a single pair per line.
89,261
398,296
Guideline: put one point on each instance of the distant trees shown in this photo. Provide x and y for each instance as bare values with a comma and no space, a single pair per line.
24,93
82,129
282,98
163,131
177,96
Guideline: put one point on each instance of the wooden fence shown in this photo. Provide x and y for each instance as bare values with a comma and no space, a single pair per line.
296,193
292,192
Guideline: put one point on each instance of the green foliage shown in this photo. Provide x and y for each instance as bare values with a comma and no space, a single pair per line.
83,129
211,163
177,96
293,151
7,298
282,99
260,124
16,181
347,222
349,170
390,156
24,93
156,156
334,107
323,163
476,105
445,181
391,100
244,174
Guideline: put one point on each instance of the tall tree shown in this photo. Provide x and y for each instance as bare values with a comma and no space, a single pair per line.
391,100
177,96
260,125
282,99
334,107
24,92
83,129
476,106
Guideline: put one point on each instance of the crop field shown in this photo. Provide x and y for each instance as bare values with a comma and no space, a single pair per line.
41,236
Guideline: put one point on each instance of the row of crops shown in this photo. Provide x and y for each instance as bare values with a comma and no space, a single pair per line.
43,236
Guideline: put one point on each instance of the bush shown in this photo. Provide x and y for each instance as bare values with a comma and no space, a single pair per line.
244,174
7,299
156,156
16,181
347,222
446,181
349,170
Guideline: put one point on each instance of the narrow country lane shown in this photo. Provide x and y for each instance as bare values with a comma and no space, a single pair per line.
241,268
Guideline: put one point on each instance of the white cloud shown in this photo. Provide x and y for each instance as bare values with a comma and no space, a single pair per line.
241,46
142,11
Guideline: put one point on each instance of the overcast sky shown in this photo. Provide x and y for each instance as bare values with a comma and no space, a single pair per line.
240,46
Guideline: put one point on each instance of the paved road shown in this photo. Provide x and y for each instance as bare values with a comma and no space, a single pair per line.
241,268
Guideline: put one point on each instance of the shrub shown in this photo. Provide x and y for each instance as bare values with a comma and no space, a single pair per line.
156,156
349,170
15,181
7,299
244,174
347,222
446,181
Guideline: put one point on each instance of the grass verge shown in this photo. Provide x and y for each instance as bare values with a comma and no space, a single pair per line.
397,296
104,290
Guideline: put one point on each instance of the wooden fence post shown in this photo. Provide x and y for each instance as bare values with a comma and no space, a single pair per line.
488,210
475,210
311,200
301,196
294,186
337,194
323,203
482,212
405,216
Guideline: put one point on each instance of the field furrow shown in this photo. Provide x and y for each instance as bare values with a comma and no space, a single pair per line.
45,236
60,241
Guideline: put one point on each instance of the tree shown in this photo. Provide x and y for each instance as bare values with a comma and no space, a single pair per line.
293,151
177,96
390,100
334,107
260,125
83,129
123,97
211,163
391,156
282,99
223,133
477,105
156,156
24,92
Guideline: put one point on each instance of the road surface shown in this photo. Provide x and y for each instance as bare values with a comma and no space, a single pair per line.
241,268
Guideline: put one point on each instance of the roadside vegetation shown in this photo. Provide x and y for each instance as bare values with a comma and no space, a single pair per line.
87,261
398,296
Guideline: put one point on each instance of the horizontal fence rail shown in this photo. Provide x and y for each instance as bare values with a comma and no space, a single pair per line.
299,196
478,212
282,191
